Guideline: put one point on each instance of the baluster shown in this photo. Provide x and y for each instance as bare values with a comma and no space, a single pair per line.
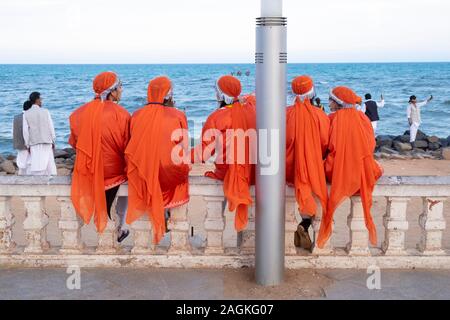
291,226
70,226
359,237
247,246
6,224
214,225
143,236
230,236
433,224
328,247
35,225
179,231
396,225
107,239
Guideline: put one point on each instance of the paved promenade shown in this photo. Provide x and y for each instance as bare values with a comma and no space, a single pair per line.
220,284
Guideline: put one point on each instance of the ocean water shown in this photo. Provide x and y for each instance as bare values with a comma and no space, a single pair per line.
65,87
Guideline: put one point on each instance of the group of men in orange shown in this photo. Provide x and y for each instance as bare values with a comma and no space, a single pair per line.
150,150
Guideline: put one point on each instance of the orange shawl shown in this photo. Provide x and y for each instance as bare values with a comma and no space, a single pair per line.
88,190
351,168
309,174
143,155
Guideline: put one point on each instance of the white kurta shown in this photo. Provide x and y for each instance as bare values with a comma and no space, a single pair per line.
41,161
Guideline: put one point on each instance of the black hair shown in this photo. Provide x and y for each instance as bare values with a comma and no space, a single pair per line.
412,98
368,96
317,100
34,96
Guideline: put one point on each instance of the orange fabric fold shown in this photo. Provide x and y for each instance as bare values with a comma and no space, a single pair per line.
154,181
351,168
236,184
309,173
88,190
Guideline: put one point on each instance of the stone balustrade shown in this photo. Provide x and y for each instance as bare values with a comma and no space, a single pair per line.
221,246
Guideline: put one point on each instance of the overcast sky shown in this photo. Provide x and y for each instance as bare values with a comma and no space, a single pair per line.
203,31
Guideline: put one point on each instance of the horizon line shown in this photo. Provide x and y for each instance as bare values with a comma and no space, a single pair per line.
217,63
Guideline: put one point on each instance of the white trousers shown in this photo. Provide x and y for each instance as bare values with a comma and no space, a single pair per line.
374,126
413,131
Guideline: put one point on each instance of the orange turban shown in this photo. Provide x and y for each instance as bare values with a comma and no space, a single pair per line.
345,97
303,87
143,155
159,89
104,83
228,89
88,189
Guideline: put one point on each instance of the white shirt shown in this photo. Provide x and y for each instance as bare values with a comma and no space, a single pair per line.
26,131
380,104
418,106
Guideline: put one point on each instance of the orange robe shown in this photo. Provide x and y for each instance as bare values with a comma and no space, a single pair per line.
350,167
237,177
100,134
155,181
307,138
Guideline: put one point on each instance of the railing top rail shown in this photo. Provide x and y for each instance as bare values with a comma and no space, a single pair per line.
198,180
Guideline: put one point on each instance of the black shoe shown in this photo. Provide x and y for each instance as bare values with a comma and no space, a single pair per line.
123,234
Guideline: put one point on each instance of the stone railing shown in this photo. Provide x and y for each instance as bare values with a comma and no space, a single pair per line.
220,245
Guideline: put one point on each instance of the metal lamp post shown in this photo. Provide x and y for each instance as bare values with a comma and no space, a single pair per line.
271,60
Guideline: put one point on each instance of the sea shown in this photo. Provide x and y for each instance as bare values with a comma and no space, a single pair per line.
66,87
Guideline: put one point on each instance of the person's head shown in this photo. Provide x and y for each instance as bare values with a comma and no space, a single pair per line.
303,87
107,86
228,90
412,99
317,101
160,91
368,96
33,99
343,98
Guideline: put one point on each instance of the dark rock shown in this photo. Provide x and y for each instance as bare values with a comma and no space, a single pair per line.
433,139
422,144
388,150
416,150
61,154
434,146
420,135
403,138
8,167
402,146
444,143
384,155
59,161
10,157
70,151
384,141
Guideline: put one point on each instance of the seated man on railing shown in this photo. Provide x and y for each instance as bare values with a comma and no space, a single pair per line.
307,137
227,134
158,169
100,134
350,165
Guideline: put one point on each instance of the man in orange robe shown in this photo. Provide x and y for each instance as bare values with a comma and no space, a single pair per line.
306,144
235,167
158,158
350,165
100,134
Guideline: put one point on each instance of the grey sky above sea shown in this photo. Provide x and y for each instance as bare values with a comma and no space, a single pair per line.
212,31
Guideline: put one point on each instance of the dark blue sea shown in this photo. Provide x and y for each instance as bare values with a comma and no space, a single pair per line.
65,87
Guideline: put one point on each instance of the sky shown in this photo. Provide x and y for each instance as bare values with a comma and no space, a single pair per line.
212,31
